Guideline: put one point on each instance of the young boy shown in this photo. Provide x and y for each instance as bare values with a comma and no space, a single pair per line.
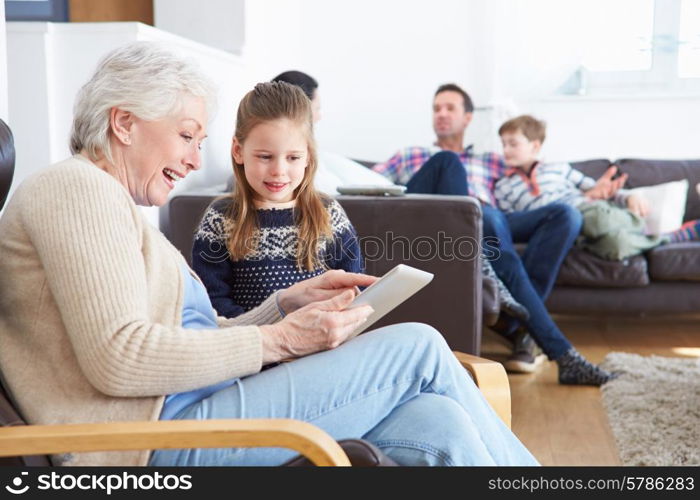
613,225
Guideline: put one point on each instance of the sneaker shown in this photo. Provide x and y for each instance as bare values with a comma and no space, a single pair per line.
526,357
574,369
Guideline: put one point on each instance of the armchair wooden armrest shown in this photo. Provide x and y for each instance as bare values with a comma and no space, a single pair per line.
302,437
492,380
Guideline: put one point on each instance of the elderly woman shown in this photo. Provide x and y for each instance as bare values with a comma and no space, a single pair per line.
102,320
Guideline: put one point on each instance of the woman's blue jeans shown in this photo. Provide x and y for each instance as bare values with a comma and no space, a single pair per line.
399,387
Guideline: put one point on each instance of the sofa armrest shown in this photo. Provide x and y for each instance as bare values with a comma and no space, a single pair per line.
439,234
180,217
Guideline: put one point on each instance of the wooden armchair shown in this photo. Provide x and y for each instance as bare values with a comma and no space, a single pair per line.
20,440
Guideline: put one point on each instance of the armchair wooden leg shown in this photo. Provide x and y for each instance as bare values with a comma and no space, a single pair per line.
302,437
492,379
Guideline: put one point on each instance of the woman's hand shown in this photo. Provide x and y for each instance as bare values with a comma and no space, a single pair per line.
607,187
323,287
638,205
318,326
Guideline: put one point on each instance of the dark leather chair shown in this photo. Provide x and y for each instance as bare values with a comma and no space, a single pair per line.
7,161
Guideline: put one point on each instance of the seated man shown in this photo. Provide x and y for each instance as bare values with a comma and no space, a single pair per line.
450,168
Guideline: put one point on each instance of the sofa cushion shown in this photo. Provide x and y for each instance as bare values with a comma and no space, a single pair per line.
651,172
592,168
667,203
581,268
675,262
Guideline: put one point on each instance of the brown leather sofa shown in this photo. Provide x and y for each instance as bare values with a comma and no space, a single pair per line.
664,280
457,303
439,234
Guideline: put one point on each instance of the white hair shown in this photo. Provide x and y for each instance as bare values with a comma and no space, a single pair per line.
144,78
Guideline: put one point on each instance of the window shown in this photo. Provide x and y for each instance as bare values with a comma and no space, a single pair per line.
36,10
621,36
644,45
689,49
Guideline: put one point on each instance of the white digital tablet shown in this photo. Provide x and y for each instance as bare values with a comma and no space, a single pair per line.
389,291
373,190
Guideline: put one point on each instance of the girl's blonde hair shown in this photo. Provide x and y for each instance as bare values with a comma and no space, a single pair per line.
267,102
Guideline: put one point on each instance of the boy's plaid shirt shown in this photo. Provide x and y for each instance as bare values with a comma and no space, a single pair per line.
482,170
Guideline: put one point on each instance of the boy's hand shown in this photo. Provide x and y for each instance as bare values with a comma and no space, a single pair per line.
638,205
607,187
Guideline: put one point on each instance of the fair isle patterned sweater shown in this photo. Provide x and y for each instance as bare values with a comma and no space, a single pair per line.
239,286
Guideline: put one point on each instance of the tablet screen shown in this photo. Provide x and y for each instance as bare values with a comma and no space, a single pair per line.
389,291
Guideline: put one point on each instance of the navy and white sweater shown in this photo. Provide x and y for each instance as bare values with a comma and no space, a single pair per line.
238,286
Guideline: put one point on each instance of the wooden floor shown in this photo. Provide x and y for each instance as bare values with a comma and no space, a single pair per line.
567,425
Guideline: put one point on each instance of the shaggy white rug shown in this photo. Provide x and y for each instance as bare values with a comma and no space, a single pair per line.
654,408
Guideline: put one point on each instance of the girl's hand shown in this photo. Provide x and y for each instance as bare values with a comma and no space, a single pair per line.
322,287
318,326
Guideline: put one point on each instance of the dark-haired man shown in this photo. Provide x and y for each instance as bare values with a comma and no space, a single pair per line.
308,84
449,168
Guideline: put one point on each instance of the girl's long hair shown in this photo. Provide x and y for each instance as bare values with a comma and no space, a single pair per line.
267,102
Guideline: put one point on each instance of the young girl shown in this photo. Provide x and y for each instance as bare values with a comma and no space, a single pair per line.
275,229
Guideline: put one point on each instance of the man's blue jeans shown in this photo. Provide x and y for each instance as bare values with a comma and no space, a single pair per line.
549,232
399,387
443,173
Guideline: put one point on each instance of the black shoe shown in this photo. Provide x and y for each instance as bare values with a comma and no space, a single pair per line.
515,309
507,328
526,355
507,303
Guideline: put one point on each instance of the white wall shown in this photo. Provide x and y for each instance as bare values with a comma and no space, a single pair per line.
582,128
49,62
273,36
216,23
28,77
4,112
378,64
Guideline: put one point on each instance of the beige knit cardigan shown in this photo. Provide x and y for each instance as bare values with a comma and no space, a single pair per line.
91,300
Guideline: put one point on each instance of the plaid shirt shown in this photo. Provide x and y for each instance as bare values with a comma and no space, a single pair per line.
482,170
